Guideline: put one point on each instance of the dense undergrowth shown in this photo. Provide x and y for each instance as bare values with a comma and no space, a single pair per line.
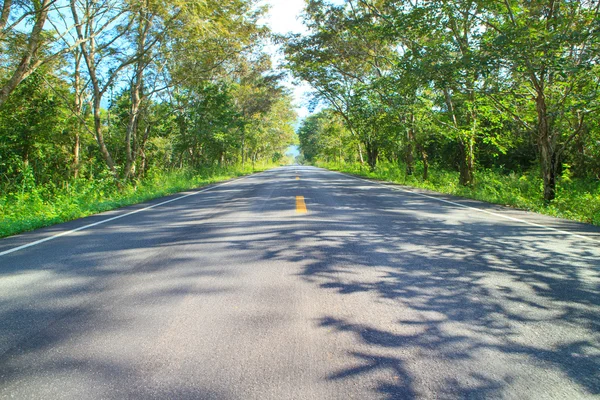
35,206
576,199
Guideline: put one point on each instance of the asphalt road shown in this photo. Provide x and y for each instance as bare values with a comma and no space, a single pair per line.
299,283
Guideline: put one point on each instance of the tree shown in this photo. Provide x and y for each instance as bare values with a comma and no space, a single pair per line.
27,50
323,136
552,47
33,124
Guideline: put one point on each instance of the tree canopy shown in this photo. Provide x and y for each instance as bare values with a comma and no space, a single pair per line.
90,87
119,88
467,83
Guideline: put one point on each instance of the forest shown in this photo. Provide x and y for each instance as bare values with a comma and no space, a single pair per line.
492,99
105,103
110,102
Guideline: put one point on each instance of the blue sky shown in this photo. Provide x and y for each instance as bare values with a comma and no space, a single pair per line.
284,17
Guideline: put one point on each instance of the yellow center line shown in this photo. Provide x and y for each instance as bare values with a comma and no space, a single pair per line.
300,205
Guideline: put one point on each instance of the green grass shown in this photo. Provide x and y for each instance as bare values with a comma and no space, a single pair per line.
576,199
38,206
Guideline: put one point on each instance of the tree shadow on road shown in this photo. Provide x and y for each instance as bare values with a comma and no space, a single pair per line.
434,302
475,290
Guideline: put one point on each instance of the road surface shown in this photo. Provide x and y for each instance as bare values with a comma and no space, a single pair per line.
300,283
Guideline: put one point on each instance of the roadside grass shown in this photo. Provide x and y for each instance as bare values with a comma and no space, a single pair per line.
40,206
576,199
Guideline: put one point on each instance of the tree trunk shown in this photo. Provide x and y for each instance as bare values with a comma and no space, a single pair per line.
410,139
372,154
470,141
25,67
89,56
548,154
360,155
425,165
4,14
100,136
76,156
409,159
78,111
132,125
243,144
466,161
137,85
549,167
142,150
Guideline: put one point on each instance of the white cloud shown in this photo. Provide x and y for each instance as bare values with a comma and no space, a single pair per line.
284,15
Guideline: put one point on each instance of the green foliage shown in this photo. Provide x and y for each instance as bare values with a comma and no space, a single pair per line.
167,90
323,135
467,85
34,129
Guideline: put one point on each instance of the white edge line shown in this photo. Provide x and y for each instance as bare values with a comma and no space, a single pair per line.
475,209
120,216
